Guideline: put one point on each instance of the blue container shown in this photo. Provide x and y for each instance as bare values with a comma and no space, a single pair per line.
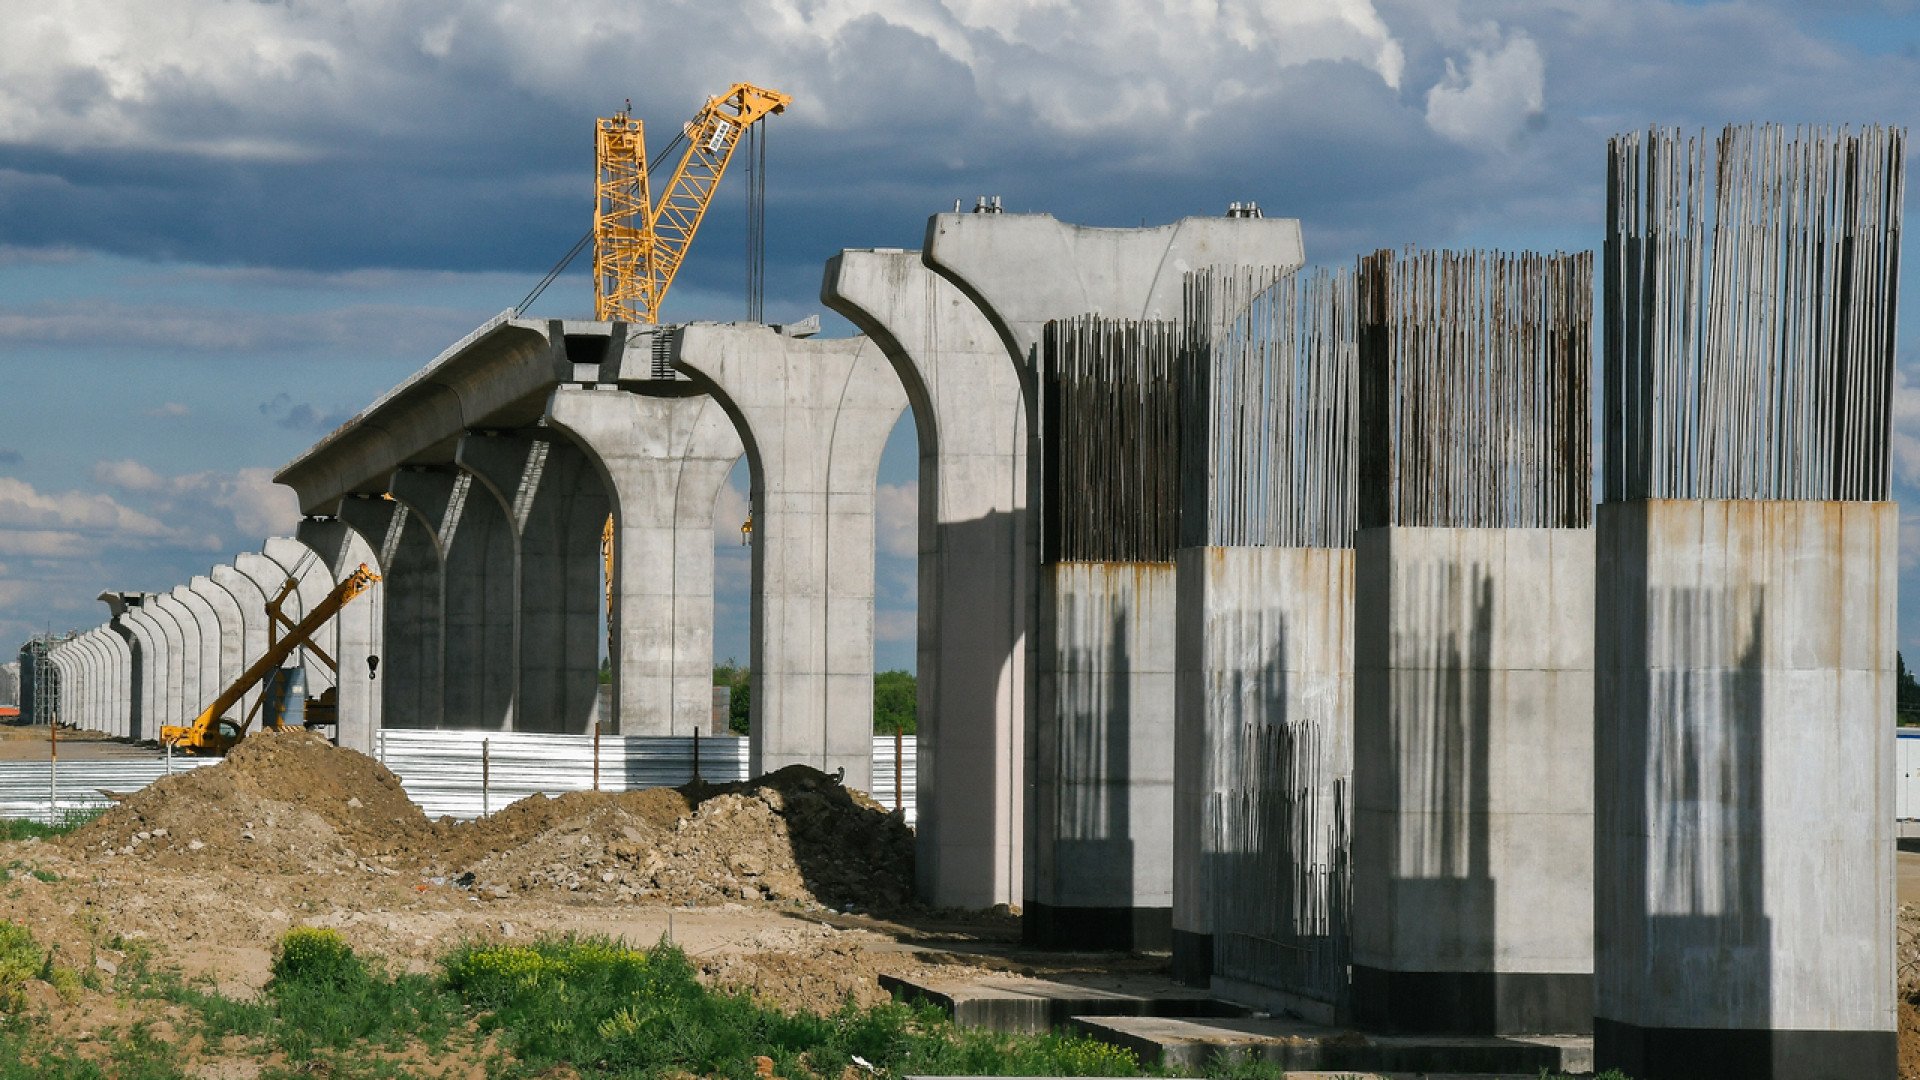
286,698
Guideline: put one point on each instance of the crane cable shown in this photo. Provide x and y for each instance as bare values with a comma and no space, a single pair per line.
587,237
756,223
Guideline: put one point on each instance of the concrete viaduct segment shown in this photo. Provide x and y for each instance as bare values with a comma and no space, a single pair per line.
976,570
1100,696
480,488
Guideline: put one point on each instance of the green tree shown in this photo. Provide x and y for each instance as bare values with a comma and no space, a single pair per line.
895,702
1906,694
736,678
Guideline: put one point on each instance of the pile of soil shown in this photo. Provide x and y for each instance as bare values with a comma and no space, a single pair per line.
792,835
294,803
285,802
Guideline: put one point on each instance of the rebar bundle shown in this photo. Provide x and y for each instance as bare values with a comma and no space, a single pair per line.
1474,392
1268,408
1750,335
1110,420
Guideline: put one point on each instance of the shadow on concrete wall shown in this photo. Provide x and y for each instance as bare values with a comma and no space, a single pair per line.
410,670
477,545
1697,887
1084,771
1280,854
560,587
1440,905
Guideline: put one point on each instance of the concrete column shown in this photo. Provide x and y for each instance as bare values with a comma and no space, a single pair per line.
976,569
357,628
149,667
1473,803
10,683
1265,703
250,601
232,633
556,505
814,416
183,658
203,651
1744,868
300,562
408,559
85,701
117,701
662,459
1023,270
476,566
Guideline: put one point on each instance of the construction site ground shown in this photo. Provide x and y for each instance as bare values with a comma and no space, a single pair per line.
789,886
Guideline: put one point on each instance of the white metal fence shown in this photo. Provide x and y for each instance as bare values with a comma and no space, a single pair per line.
28,789
460,774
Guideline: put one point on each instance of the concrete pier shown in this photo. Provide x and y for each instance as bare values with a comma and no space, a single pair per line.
477,601
662,457
1263,746
251,601
1473,667
1473,790
409,564
356,631
814,417
1023,271
977,555
556,506
1745,860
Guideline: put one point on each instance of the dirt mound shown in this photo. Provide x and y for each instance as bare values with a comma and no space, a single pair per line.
792,835
288,801
294,803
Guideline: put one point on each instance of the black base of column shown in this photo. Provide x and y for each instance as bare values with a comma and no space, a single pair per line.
1667,1053
1192,957
1472,1002
1120,929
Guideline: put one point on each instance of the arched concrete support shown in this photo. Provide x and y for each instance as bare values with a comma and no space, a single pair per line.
149,672
79,701
232,630
118,642
183,652
976,568
300,563
101,673
203,665
357,628
1021,271
663,459
814,416
477,601
60,657
409,563
251,602
556,506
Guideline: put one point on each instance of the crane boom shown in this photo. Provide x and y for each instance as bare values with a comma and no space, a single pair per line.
638,244
201,735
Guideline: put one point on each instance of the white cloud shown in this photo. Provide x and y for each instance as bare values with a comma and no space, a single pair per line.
1502,90
94,517
896,520
277,82
246,499
730,508
890,625
168,410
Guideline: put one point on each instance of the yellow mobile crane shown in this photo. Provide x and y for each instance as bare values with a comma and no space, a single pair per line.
210,732
638,244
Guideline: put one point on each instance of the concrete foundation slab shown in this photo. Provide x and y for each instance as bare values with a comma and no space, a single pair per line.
1191,1045
1018,1003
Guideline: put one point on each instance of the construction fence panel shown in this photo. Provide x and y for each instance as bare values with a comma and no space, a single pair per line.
37,791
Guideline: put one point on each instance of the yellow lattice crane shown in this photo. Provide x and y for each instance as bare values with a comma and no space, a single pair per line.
638,244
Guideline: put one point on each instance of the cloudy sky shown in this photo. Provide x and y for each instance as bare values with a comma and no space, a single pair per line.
226,226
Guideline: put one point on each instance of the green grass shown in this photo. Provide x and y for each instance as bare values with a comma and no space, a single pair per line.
22,829
594,1006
